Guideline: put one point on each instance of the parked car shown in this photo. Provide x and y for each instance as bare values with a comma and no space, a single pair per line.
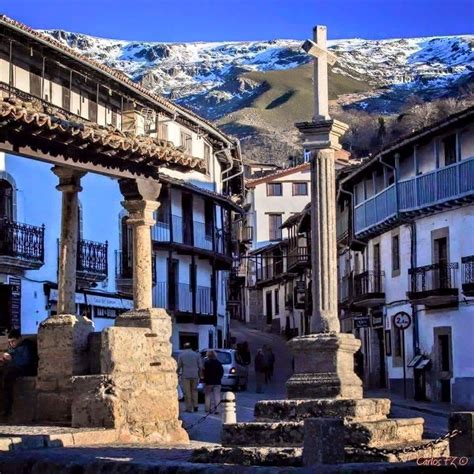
236,373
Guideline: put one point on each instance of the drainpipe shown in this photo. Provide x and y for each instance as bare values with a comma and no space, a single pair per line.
414,308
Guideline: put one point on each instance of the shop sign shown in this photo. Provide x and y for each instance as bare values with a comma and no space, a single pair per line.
377,320
362,322
96,300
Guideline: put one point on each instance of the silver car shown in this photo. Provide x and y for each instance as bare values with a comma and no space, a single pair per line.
236,373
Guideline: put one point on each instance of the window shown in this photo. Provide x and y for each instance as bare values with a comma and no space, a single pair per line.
275,221
277,302
395,254
186,141
300,189
274,189
6,200
449,150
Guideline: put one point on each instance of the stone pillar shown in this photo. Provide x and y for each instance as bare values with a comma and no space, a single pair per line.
324,363
323,243
63,338
136,392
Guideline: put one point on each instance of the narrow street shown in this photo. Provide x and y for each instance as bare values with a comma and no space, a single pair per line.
209,429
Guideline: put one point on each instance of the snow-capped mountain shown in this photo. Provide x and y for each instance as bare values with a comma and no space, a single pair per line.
210,77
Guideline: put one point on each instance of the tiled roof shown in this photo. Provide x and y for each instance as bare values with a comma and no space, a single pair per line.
140,149
119,76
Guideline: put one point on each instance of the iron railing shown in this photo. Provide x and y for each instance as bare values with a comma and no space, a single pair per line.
23,241
368,282
427,189
124,266
173,230
467,270
271,270
438,276
92,257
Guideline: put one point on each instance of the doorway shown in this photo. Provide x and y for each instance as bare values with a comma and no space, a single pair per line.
173,285
268,307
191,337
444,363
187,209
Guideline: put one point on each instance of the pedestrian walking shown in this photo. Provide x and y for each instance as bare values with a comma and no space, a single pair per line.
269,363
245,353
259,370
213,373
190,366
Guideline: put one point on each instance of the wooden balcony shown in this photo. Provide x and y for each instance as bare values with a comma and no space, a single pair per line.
450,185
21,247
468,275
298,257
368,289
434,285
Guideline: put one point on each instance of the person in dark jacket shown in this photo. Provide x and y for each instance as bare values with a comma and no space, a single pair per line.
269,358
14,363
260,369
245,353
213,373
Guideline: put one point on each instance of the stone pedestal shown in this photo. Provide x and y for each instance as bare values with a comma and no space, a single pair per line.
324,367
62,349
136,392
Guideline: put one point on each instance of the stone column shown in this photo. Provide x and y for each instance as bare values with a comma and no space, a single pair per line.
140,217
137,391
324,364
63,338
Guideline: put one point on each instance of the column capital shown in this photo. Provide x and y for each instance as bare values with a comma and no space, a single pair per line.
69,179
140,212
322,134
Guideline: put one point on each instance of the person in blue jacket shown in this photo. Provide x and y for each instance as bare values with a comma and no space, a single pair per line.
14,363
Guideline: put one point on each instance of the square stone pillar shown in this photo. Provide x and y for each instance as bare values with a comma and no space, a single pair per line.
136,392
63,338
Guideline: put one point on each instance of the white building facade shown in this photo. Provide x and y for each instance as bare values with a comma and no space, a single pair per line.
192,238
406,256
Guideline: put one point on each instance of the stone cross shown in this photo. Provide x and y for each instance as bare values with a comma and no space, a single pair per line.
322,57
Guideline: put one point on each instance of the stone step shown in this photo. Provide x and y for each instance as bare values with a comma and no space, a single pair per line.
358,455
249,456
290,434
293,457
283,434
366,409
390,430
19,438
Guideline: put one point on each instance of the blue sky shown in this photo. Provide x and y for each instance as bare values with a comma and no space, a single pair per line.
217,20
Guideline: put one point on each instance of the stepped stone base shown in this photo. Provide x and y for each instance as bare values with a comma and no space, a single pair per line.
282,434
293,457
250,456
366,409
290,434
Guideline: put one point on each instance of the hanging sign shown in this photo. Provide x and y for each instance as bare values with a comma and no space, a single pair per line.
362,322
15,302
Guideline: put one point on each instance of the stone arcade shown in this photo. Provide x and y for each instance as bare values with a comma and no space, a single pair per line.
324,383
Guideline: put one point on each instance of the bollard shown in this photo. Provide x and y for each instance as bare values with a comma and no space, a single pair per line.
323,441
462,445
228,413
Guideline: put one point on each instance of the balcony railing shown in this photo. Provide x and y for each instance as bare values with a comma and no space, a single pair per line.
298,255
242,233
272,270
182,300
368,288
92,257
22,241
124,266
342,224
433,280
468,275
201,239
428,189
203,300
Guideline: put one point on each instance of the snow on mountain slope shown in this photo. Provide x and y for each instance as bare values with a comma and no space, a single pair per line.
208,76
